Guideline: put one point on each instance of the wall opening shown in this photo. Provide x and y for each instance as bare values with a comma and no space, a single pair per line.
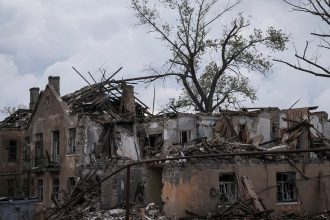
154,186
286,187
71,141
185,136
154,141
56,187
12,152
40,190
243,133
228,188
39,148
55,146
71,182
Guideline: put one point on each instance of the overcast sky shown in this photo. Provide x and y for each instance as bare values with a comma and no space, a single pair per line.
41,38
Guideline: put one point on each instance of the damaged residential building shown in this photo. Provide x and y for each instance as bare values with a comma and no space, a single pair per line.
238,183
99,148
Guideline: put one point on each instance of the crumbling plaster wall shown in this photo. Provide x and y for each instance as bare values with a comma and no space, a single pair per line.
256,126
205,124
8,166
113,190
170,128
317,124
127,144
185,187
88,135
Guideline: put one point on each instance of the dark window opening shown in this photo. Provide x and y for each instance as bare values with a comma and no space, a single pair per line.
39,148
228,188
55,146
154,141
27,149
40,190
243,133
56,187
273,127
72,141
185,136
12,152
286,187
71,182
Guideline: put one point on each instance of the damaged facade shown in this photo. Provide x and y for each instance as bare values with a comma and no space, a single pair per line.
69,150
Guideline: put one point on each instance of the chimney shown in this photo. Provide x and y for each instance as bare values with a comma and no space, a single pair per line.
55,81
128,99
34,94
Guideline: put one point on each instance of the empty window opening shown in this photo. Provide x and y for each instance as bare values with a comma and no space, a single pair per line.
71,182
12,151
286,187
273,127
27,149
39,149
72,141
55,146
243,133
56,187
228,188
185,136
40,190
154,141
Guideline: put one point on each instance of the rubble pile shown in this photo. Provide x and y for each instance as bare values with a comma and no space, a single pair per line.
150,212
213,146
77,203
245,210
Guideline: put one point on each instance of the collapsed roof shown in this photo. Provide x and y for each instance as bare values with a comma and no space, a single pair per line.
103,98
17,119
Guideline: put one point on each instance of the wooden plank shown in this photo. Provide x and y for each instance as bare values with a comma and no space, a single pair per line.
252,194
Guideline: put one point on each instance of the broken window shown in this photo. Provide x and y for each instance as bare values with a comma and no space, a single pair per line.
55,146
10,187
154,140
27,149
12,151
228,188
71,182
39,149
286,190
40,190
185,136
56,187
243,133
72,141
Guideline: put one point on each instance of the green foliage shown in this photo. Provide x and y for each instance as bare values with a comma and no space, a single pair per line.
209,66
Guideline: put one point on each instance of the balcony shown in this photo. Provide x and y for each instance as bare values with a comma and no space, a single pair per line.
42,164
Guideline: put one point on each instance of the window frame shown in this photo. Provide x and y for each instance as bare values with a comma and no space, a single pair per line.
188,136
286,191
230,185
40,190
56,187
12,150
39,149
71,144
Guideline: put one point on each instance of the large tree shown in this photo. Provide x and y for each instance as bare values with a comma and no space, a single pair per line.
207,55
309,60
